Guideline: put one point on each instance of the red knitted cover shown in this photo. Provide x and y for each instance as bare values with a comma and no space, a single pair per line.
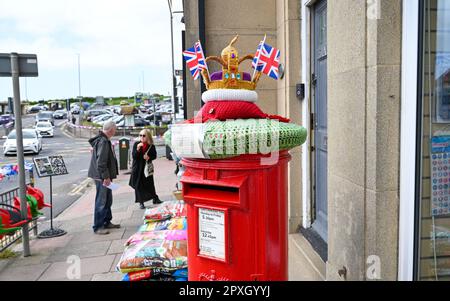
225,110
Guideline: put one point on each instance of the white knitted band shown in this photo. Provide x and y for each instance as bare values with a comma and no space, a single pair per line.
230,94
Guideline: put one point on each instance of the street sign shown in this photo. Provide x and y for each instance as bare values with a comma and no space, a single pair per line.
50,166
28,66
178,72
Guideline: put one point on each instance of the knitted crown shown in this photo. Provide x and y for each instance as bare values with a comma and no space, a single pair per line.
230,77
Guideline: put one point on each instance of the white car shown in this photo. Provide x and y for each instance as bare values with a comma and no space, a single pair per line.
32,142
44,128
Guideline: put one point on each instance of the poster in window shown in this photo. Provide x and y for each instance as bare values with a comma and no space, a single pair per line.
440,175
442,88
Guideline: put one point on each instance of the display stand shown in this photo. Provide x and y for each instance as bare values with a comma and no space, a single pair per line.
49,167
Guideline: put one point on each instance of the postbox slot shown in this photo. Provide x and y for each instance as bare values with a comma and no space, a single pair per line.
212,192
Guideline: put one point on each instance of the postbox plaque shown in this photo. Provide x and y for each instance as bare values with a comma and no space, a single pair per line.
212,233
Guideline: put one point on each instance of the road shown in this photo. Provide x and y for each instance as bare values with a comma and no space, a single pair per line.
76,153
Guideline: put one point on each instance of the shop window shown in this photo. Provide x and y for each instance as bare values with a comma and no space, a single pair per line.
433,235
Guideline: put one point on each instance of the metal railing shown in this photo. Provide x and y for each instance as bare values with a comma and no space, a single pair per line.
7,199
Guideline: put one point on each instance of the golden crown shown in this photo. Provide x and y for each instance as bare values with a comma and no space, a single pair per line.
230,77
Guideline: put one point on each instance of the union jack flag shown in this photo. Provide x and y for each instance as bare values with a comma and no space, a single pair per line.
267,60
200,56
195,60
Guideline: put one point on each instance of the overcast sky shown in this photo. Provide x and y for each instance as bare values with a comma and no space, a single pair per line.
120,43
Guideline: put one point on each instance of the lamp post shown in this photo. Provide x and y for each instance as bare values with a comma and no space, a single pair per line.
174,80
79,76
79,91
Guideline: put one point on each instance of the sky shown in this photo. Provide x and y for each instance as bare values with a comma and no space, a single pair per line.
124,46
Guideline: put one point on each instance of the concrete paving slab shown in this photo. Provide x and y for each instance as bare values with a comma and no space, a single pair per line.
4,263
92,249
130,232
90,237
113,276
88,266
24,273
132,222
115,263
117,246
83,278
36,258
138,214
38,245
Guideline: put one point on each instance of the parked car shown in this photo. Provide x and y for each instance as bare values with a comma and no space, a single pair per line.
119,120
75,109
93,113
32,142
60,114
44,128
34,109
151,117
140,122
6,119
45,116
102,119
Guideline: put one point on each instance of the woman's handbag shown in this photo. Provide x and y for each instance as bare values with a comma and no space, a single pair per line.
149,168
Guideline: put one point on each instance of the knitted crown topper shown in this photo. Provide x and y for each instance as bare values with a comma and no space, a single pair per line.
230,77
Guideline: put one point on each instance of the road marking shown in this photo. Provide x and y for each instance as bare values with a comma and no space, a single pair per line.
79,188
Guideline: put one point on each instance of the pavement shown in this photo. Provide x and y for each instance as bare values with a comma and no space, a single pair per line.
53,259
83,256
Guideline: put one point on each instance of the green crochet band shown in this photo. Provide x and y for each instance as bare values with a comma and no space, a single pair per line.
226,139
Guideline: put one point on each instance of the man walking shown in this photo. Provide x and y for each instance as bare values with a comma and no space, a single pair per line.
103,169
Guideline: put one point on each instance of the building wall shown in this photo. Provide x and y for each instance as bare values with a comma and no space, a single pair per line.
364,132
226,19
288,37
193,97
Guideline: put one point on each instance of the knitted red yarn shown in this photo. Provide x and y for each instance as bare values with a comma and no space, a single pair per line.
225,110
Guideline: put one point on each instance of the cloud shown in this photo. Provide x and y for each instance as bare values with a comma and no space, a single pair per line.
107,33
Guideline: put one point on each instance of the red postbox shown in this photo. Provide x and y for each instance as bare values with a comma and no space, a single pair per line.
237,218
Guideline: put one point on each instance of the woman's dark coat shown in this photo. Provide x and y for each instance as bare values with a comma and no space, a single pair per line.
144,187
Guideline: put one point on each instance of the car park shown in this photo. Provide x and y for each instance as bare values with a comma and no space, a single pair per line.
44,128
32,142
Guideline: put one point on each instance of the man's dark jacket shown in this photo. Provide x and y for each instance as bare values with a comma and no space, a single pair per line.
103,162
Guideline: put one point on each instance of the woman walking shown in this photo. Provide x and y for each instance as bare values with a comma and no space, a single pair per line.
144,187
